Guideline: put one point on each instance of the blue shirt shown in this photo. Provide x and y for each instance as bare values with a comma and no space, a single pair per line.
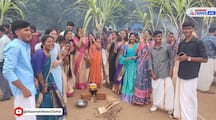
17,66
210,45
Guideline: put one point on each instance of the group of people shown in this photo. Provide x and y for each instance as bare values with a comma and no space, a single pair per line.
134,66
58,62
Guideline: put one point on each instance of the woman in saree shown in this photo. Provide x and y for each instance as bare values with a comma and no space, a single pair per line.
68,49
130,66
56,59
112,55
41,63
61,42
81,59
119,49
95,59
143,88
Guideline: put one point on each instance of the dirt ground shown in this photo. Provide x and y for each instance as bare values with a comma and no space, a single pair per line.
207,109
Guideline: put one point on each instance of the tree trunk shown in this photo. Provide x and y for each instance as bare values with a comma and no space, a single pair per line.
99,29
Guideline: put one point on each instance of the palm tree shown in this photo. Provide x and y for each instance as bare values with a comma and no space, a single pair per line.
7,5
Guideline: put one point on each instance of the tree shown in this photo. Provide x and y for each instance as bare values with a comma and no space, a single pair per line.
124,17
175,10
52,13
7,6
151,17
98,12
206,21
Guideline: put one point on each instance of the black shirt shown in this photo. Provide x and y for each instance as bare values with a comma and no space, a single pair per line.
193,48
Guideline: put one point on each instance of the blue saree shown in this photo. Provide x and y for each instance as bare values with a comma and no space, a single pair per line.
41,63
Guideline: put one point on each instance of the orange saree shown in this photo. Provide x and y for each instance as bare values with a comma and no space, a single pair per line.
95,57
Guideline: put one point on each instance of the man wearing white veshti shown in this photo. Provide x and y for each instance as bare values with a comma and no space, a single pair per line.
207,70
17,68
191,52
161,62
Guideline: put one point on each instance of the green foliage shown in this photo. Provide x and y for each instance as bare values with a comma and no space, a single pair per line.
8,6
151,16
48,13
175,11
95,14
98,12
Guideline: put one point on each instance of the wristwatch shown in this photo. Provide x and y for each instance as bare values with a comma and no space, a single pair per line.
189,59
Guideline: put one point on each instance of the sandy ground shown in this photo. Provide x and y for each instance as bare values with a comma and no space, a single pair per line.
207,109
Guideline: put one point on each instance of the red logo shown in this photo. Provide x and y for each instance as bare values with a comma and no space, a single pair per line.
192,12
18,111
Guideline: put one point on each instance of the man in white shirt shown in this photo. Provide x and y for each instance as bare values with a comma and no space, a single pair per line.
69,26
4,86
207,70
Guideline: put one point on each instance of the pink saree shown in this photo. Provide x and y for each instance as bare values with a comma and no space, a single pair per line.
80,70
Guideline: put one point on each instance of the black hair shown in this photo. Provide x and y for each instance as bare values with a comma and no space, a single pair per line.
157,32
149,31
60,39
89,43
33,27
44,39
126,38
92,34
49,30
2,29
19,24
115,32
104,29
188,24
170,33
65,33
70,23
133,34
6,25
77,32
